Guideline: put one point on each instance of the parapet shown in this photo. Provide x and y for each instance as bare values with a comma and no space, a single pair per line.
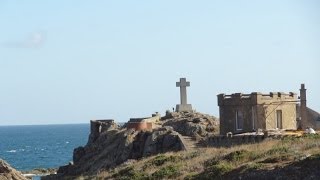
254,98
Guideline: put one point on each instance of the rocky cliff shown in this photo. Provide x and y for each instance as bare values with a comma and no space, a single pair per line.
112,145
8,173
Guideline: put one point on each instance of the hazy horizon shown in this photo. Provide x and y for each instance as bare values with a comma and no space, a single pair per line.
70,62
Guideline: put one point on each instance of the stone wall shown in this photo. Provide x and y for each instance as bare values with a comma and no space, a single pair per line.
147,123
228,141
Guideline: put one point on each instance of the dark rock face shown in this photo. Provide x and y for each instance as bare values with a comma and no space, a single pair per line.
8,173
117,146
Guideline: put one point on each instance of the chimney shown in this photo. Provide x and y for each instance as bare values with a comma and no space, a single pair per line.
303,107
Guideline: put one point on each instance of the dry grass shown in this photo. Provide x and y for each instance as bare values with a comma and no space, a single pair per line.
216,162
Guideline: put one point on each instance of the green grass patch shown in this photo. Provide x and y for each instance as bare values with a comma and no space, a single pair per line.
214,171
130,174
278,158
171,171
242,155
220,169
311,136
161,160
192,155
253,166
278,150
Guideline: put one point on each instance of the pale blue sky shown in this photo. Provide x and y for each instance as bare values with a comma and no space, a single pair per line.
72,61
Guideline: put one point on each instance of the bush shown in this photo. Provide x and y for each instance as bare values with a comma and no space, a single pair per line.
167,172
241,155
253,166
162,159
312,136
214,171
278,150
192,155
220,169
236,155
130,174
275,159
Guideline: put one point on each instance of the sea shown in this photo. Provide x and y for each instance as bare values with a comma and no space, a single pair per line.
41,146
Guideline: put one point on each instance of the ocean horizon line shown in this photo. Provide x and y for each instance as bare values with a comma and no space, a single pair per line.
58,124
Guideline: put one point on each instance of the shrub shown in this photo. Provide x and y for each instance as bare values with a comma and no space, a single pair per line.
241,155
192,155
312,136
130,174
275,159
170,171
236,155
162,159
253,166
220,169
278,150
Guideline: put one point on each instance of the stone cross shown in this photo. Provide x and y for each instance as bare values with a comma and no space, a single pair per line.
183,84
183,106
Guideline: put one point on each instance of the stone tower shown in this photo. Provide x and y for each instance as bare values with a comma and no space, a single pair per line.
303,107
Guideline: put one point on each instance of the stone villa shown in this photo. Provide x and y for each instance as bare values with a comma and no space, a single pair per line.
248,112
240,113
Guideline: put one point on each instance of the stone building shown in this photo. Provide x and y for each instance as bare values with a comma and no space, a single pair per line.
241,113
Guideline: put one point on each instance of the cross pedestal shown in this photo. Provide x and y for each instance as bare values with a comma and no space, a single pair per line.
183,106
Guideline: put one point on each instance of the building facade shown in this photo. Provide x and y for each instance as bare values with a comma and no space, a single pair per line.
240,113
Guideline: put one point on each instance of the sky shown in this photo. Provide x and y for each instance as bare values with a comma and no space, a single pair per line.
67,62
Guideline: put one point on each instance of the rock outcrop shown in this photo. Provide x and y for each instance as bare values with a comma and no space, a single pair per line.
109,145
191,123
8,173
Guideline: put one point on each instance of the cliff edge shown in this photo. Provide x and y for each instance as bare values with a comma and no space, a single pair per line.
110,145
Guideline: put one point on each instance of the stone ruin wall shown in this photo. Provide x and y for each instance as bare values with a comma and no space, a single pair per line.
97,127
143,123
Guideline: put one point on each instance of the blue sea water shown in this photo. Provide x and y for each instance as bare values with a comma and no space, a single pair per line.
41,146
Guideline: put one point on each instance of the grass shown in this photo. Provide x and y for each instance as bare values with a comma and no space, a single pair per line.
171,171
219,163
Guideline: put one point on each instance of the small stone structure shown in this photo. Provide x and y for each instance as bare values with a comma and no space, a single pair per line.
183,106
99,126
241,113
147,123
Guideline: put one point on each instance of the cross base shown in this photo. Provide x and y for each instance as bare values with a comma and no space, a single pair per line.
183,107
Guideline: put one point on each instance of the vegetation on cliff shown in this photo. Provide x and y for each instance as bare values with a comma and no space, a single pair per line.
288,158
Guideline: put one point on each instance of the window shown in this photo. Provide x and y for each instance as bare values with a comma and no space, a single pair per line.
253,118
279,119
239,120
